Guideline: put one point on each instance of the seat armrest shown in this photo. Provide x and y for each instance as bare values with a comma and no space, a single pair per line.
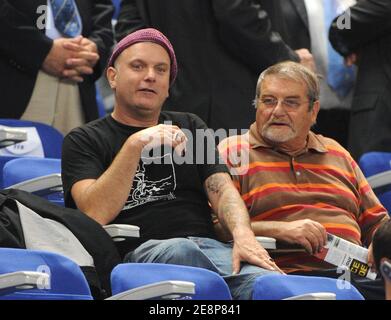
41,185
380,179
162,290
314,296
23,280
267,242
119,232
9,137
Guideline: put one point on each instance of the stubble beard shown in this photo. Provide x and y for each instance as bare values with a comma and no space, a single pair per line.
276,135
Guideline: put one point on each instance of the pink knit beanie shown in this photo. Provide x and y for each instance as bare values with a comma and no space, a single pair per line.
147,35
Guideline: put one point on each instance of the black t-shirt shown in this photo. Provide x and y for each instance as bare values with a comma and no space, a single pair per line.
168,199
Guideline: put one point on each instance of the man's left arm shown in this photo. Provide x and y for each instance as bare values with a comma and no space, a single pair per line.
232,212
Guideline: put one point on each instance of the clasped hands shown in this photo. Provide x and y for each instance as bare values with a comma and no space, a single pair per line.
71,58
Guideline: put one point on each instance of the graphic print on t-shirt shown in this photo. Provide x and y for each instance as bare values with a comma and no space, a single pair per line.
154,180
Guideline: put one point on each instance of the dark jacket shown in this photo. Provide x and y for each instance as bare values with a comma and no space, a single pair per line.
90,234
23,48
289,18
370,37
221,47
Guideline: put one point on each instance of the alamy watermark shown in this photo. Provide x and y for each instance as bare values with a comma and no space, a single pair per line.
344,281
42,18
43,281
198,147
344,21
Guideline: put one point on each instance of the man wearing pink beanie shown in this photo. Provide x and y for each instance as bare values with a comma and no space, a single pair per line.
110,174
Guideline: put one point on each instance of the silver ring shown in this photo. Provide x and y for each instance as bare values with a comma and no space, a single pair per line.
177,136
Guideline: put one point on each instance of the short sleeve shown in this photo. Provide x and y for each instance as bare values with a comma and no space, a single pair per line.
80,160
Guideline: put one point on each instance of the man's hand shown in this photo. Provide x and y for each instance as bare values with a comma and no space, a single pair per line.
307,233
71,58
55,61
84,58
161,134
351,59
83,49
247,248
306,59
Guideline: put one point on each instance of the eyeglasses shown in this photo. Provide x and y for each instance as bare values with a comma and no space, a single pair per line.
288,104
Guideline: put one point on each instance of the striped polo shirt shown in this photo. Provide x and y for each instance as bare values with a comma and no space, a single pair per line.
323,183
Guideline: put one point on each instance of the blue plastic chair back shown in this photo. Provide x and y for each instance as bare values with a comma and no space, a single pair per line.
67,281
279,286
22,169
208,285
51,138
372,163
51,141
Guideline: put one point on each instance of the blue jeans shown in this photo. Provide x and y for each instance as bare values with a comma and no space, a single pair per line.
203,253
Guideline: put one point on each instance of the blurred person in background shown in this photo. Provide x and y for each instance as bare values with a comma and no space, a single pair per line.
364,39
51,53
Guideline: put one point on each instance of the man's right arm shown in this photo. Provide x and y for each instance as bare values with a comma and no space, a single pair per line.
309,234
102,199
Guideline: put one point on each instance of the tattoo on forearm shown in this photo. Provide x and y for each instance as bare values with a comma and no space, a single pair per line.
229,206
215,183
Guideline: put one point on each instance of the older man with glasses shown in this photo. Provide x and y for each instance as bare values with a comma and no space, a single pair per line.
299,186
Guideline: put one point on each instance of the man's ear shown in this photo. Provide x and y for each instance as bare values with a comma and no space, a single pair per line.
315,111
111,74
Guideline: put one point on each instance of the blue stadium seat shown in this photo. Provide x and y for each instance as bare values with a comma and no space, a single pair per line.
279,287
209,285
376,167
42,275
43,141
40,176
65,279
